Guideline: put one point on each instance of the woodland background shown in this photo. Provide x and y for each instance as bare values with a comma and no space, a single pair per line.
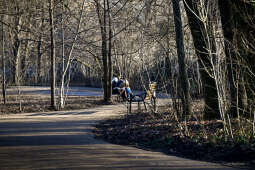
196,50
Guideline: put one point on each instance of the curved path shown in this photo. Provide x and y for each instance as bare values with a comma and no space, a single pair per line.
64,140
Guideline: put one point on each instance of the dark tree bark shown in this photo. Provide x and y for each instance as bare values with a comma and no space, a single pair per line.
3,64
185,95
228,26
39,60
244,40
16,54
209,85
25,56
110,67
106,52
53,71
39,48
16,45
235,16
168,78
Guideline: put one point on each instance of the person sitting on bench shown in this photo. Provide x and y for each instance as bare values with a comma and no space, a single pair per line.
126,92
114,85
117,84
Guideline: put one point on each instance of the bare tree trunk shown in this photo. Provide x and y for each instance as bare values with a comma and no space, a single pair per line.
102,23
104,55
209,85
3,64
110,68
237,29
53,62
39,60
227,26
185,95
168,72
39,47
16,45
25,56
69,59
62,89
16,52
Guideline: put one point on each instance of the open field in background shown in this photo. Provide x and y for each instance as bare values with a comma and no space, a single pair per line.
37,99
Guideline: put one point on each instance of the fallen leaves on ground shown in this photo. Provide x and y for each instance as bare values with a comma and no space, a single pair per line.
204,141
41,103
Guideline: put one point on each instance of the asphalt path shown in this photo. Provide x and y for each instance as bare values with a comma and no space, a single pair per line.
64,140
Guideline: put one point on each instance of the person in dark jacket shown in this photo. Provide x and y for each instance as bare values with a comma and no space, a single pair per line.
117,85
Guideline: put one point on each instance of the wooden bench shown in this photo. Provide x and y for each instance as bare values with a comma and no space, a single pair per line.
148,96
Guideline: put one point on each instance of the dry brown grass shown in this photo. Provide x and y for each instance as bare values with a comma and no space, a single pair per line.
41,103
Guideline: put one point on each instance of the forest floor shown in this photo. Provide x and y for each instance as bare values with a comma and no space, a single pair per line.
41,103
197,140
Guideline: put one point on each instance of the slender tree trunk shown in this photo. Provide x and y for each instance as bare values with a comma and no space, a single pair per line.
104,54
185,95
39,60
16,52
168,78
209,85
62,89
26,56
110,67
66,65
3,64
39,47
227,26
53,71
16,45
102,23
